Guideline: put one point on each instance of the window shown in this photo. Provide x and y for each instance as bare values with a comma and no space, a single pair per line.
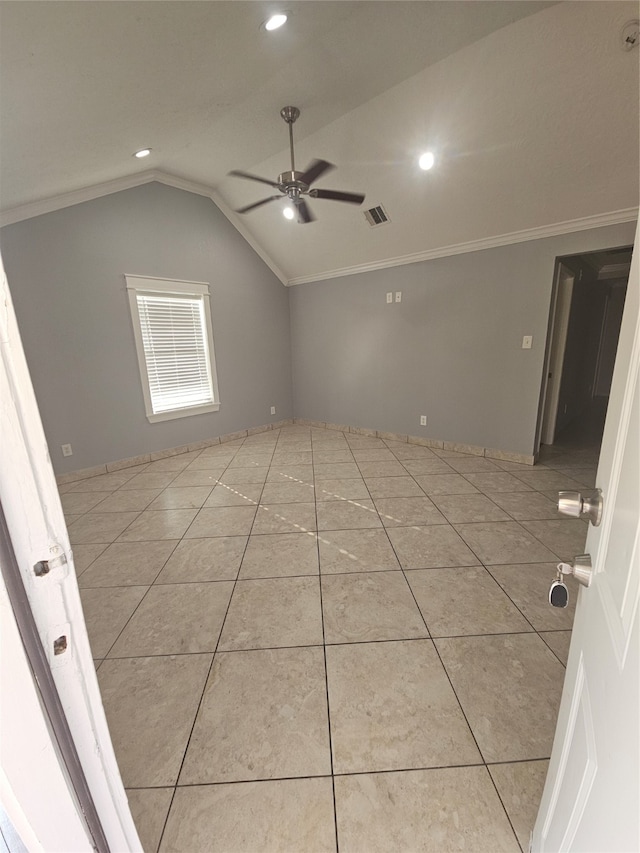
174,342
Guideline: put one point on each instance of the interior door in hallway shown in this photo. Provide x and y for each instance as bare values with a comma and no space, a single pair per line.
591,796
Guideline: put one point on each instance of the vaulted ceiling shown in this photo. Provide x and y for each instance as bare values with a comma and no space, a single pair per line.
530,108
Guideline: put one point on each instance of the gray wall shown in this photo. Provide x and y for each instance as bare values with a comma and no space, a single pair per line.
66,274
451,350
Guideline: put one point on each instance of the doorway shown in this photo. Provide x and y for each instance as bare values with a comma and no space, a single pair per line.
584,327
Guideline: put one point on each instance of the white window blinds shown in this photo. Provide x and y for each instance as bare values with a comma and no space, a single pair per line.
175,346
175,351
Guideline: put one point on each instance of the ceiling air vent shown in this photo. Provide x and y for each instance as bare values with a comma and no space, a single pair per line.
376,215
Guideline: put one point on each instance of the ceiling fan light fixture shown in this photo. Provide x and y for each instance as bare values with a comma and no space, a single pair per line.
289,213
426,160
143,152
275,22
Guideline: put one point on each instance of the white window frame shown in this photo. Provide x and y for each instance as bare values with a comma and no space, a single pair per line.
153,286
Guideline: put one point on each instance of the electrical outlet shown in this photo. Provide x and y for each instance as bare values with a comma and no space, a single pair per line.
527,342
66,450
389,298
398,296
423,420
273,410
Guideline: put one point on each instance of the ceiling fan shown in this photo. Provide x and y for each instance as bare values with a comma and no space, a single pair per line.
295,184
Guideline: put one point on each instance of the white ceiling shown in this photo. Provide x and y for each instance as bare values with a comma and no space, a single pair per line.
530,107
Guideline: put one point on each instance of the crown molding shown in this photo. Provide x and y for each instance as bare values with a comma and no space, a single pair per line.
585,223
59,202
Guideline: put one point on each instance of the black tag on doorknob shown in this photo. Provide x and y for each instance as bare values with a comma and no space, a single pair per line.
558,594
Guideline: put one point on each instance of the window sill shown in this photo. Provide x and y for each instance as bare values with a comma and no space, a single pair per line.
182,413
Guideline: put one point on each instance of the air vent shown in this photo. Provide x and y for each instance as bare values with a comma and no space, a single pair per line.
376,215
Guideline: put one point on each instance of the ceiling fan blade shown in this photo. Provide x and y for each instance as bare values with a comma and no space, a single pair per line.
336,195
314,170
238,174
257,204
304,213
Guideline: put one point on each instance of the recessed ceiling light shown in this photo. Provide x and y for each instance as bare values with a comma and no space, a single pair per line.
288,213
426,161
143,152
275,22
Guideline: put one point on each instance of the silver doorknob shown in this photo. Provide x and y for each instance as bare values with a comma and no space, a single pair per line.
581,569
577,506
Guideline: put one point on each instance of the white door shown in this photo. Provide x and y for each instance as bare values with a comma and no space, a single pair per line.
36,794
560,327
592,793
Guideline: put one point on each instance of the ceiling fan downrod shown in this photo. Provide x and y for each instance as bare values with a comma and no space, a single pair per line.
290,114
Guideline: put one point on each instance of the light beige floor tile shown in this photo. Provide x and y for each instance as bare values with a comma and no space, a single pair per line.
183,497
196,560
473,465
546,480
347,515
355,551
84,556
393,487
272,612
527,585
253,460
159,524
285,493
128,564
558,642
99,527
445,484
433,546
403,451
177,462
456,602
127,500
273,555
285,518
210,464
71,517
239,476
460,508
222,521
566,537
526,505
149,808
422,811
103,482
284,815
520,787
291,457
106,612
497,481
81,502
247,494
341,490
407,512
509,687
150,480
392,707
326,457
290,473
428,465
192,478
371,455
503,542
375,470
176,619
336,471
150,705
282,730
369,606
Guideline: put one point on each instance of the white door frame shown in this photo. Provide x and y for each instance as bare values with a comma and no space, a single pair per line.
558,328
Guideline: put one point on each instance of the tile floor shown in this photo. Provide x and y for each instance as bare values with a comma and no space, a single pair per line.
309,641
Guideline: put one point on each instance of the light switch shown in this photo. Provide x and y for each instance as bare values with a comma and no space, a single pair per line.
527,342
398,296
389,298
